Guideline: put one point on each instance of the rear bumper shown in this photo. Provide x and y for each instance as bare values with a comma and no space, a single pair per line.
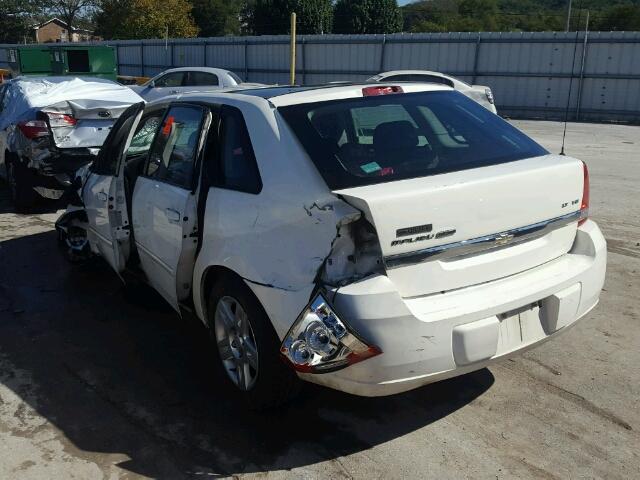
426,339
50,177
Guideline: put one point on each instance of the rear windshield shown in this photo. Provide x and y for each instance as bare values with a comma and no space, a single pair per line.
361,141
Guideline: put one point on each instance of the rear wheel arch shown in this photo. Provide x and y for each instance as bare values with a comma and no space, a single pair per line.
211,275
274,381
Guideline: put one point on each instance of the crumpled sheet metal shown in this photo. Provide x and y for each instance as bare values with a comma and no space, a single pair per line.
95,104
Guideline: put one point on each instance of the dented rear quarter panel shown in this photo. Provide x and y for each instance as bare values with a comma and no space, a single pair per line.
277,240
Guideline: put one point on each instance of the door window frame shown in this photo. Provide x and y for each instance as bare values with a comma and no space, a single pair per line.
160,112
204,125
217,180
95,167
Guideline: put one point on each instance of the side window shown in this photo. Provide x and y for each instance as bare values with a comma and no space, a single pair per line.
143,138
200,79
174,150
238,169
170,80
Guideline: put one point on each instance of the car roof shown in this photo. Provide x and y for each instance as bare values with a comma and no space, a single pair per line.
218,71
412,72
383,75
61,79
280,96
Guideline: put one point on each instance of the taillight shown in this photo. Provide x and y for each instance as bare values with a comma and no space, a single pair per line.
381,90
34,129
319,341
584,205
60,119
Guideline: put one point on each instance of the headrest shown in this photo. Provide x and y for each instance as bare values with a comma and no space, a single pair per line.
392,135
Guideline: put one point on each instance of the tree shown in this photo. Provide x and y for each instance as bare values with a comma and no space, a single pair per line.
367,16
429,16
217,17
69,10
127,19
14,21
621,17
272,17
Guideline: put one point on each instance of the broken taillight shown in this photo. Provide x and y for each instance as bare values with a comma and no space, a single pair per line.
60,119
34,129
381,90
584,205
319,341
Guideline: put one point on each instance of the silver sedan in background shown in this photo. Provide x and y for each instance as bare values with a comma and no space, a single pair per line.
480,93
188,79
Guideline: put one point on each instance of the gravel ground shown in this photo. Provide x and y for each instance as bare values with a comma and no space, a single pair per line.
95,386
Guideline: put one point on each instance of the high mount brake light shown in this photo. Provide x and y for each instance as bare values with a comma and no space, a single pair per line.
381,90
319,342
34,129
584,205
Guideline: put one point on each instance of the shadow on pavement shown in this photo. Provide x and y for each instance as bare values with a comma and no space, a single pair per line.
117,377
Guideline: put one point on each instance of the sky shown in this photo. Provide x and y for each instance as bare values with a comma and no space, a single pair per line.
404,2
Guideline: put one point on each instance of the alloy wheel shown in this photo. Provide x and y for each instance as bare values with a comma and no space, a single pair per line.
236,343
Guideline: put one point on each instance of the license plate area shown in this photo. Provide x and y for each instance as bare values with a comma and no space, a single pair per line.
519,327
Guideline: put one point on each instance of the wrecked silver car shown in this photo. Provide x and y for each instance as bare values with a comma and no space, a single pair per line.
50,127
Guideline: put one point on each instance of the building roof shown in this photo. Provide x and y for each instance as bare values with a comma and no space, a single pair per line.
62,24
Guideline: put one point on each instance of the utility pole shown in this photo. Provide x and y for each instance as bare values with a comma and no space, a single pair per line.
292,72
568,16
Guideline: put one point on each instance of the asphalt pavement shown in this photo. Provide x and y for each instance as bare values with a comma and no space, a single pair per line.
97,385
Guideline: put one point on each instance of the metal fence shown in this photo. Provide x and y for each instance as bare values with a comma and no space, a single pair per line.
530,73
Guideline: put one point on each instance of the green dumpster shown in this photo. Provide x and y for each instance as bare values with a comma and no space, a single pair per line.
30,60
93,60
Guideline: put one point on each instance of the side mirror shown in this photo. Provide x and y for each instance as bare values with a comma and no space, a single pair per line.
151,84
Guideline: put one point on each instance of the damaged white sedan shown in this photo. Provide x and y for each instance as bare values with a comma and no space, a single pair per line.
50,127
372,239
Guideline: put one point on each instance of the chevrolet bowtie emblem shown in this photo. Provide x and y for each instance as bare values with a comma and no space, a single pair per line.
503,238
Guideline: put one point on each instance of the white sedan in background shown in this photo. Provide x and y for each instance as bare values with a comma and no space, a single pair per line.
478,93
188,79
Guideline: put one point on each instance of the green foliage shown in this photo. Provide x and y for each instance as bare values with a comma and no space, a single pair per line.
127,19
272,17
519,15
217,17
15,21
367,16
620,17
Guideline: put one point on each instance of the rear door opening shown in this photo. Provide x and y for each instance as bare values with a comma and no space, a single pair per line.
452,190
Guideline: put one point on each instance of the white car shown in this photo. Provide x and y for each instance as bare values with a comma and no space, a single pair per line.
374,237
50,127
480,93
188,79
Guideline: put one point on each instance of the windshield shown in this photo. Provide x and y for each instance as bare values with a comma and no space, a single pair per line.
361,141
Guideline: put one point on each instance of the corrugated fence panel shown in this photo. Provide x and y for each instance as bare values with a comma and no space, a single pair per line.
227,55
185,55
157,57
530,74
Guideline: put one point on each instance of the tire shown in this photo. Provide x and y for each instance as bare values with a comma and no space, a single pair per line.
74,252
20,186
270,381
